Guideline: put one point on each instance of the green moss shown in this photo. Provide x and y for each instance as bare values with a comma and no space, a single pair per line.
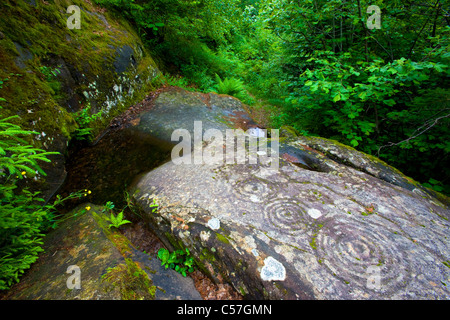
313,243
222,238
132,282
242,291
43,32
207,255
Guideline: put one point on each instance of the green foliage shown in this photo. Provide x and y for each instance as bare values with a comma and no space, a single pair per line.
178,81
108,206
233,87
83,119
229,86
434,184
23,217
17,158
116,221
138,13
49,73
23,223
154,206
384,92
179,260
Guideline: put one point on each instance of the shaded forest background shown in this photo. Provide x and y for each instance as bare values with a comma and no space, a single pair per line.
317,66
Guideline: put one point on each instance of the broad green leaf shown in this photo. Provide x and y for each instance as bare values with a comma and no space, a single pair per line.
337,98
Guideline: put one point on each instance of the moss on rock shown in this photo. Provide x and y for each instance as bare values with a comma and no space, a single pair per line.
50,71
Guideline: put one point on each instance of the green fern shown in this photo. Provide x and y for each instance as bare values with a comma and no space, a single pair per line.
23,218
118,221
229,86
15,154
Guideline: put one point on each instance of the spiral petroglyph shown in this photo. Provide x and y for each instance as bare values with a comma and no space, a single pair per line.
287,215
350,252
254,190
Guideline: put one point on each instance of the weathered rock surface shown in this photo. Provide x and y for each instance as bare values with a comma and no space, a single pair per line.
330,223
176,108
110,267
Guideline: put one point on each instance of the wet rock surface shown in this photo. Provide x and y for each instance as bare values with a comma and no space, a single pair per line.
176,108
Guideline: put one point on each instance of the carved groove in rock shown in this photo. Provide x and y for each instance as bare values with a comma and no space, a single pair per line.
254,189
287,215
350,251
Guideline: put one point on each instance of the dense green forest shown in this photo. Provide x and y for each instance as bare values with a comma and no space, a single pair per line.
323,67
376,80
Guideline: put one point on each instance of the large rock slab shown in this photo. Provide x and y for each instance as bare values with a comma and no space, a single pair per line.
104,263
176,108
329,223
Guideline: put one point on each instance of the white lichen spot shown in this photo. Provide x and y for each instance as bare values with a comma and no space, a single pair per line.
214,223
204,236
273,270
314,213
250,241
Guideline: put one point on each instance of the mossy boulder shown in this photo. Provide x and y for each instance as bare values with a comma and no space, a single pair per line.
108,265
50,71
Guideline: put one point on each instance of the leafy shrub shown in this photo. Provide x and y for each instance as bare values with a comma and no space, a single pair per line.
179,260
23,219
137,13
369,105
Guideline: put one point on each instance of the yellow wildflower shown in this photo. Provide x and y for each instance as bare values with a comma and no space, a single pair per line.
88,208
23,173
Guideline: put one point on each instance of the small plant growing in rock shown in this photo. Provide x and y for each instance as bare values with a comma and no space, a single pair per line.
154,206
116,221
179,260
49,73
83,119
108,206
